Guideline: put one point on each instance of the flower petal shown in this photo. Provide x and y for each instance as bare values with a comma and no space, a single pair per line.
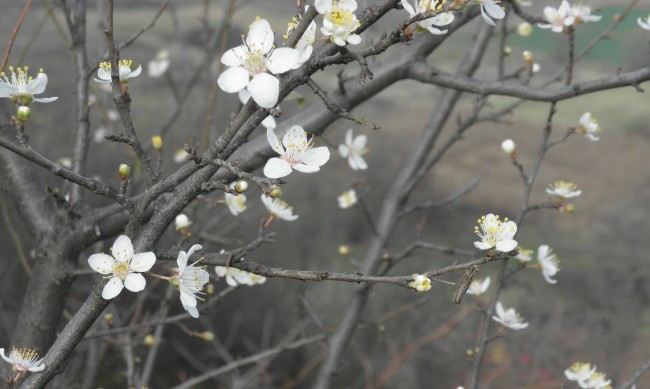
135,282
244,95
142,261
408,8
112,288
188,299
274,141
354,39
233,56
260,36
296,135
276,168
322,6
344,151
135,73
317,156
101,263
192,311
301,167
233,80
506,245
36,369
122,248
282,60
269,122
265,90
37,85
357,162
45,99
486,17
2,354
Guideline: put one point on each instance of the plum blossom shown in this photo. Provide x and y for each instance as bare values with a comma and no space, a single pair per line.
490,9
524,255
339,21
548,262
159,65
579,372
420,282
124,266
495,233
563,189
190,280
236,203
249,62
305,43
353,149
644,23
269,121
235,277
347,199
23,360
596,380
509,318
182,222
479,286
296,151
440,20
509,147
588,126
558,18
21,87
278,208
582,14
127,70
525,29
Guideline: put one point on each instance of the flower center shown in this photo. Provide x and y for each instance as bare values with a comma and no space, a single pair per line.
296,148
341,17
121,270
24,358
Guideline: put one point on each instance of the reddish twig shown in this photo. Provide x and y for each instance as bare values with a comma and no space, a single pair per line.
13,35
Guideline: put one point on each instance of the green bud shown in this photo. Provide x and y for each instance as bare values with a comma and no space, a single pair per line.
241,186
124,171
275,192
175,281
23,113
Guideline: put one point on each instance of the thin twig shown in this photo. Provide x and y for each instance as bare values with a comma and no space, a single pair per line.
5,59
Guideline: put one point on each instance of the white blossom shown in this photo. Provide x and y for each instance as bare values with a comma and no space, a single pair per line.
508,146
430,24
124,266
579,372
597,380
525,29
644,23
249,62
21,87
190,279
558,18
235,277
236,203
305,45
479,286
588,126
159,65
278,208
353,149
23,360
127,70
563,189
296,151
490,9
347,199
495,233
339,21
548,262
509,318
582,14
420,282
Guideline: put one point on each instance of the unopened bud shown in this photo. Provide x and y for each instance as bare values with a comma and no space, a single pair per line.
507,50
175,281
568,208
23,113
344,250
508,147
469,353
124,171
275,192
149,340
209,289
108,317
182,222
157,143
241,186
527,56
207,336
525,29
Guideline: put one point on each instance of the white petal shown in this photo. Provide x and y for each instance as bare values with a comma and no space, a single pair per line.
37,85
296,135
233,80
482,245
268,122
301,167
506,245
142,261
193,249
188,299
317,156
360,142
192,311
265,90
104,74
354,39
135,72
282,60
36,369
233,56
486,17
344,151
494,10
358,162
276,168
45,99
113,288
350,5
122,248
2,354
274,141
260,36
322,6
101,263
135,282
244,95
408,8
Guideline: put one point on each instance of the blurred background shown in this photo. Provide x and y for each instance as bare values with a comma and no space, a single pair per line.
597,312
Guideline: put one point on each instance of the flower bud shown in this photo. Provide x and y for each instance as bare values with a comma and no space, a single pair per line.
527,56
23,113
275,192
568,208
525,29
108,317
469,353
508,147
209,289
124,171
507,50
207,336
149,340
157,143
182,222
175,281
241,186
344,250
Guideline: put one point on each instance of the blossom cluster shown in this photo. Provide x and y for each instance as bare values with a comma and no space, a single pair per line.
586,376
566,16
